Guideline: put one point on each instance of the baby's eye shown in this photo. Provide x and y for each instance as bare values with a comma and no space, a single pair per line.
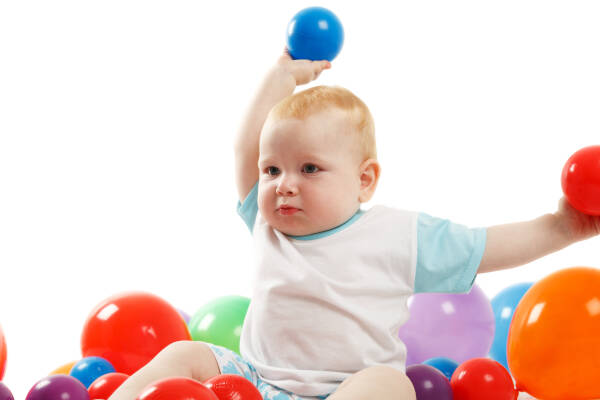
272,171
310,169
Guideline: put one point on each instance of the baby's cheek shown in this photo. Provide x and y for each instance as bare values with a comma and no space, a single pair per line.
261,200
331,202
339,193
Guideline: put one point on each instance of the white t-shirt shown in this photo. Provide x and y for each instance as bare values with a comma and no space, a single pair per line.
325,306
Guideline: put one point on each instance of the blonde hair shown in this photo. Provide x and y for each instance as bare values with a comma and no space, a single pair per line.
313,100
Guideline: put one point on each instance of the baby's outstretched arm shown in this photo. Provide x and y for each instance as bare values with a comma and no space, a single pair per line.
280,82
516,244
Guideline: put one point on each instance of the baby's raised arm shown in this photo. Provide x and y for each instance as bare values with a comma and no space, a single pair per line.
280,82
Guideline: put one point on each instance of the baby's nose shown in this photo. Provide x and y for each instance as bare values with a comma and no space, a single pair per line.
287,188
288,192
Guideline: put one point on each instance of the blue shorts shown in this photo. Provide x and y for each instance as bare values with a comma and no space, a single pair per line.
231,363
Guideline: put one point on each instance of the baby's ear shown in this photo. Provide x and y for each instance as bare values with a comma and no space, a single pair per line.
369,176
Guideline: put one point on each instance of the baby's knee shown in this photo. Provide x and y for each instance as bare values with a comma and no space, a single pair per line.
195,358
184,349
381,382
178,350
393,381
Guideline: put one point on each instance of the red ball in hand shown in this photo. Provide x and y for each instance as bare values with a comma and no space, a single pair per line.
482,378
176,388
233,387
581,180
105,385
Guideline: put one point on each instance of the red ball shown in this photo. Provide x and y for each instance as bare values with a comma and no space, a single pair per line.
177,388
106,384
130,329
233,387
482,378
581,180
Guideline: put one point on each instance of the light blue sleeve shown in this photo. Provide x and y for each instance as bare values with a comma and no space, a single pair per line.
249,209
448,255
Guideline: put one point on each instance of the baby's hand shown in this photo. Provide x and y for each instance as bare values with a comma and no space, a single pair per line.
303,71
577,225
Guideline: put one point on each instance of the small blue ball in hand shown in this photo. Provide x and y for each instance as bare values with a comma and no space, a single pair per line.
315,33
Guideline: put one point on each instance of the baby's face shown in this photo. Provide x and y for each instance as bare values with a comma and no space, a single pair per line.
309,173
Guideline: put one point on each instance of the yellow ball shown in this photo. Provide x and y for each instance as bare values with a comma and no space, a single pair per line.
65,369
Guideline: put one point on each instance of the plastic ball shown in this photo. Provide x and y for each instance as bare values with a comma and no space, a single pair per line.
88,369
504,305
184,315
457,326
58,387
443,364
233,387
129,329
104,386
64,369
177,388
2,353
553,342
5,393
482,378
315,33
220,321
429,383
581,180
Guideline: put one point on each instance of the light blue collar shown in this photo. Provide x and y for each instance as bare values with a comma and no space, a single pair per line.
331,231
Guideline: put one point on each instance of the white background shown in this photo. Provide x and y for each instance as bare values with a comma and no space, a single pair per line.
117,120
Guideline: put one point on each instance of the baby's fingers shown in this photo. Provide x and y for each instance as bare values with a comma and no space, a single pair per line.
285,56
318,67
321,65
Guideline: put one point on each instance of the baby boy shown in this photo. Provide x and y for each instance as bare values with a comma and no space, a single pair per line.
332,280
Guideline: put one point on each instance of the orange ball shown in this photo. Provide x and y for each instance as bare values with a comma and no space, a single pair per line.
553,342
129,329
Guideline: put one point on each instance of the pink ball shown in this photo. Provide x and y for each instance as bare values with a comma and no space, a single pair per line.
456,326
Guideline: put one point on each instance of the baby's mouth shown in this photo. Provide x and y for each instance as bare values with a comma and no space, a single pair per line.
287,210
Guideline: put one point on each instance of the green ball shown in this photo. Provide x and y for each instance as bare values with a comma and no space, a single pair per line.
220,321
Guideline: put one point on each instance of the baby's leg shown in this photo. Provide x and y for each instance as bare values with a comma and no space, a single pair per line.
185,358
379,382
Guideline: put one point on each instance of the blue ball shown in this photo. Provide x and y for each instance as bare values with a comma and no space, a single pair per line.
315,33
504,305
443,364
88,369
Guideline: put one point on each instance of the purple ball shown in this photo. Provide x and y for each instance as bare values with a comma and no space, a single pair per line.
456,326
184,315
58,387
429,383
5,394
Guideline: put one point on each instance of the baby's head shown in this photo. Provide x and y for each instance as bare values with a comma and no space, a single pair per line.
317,158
